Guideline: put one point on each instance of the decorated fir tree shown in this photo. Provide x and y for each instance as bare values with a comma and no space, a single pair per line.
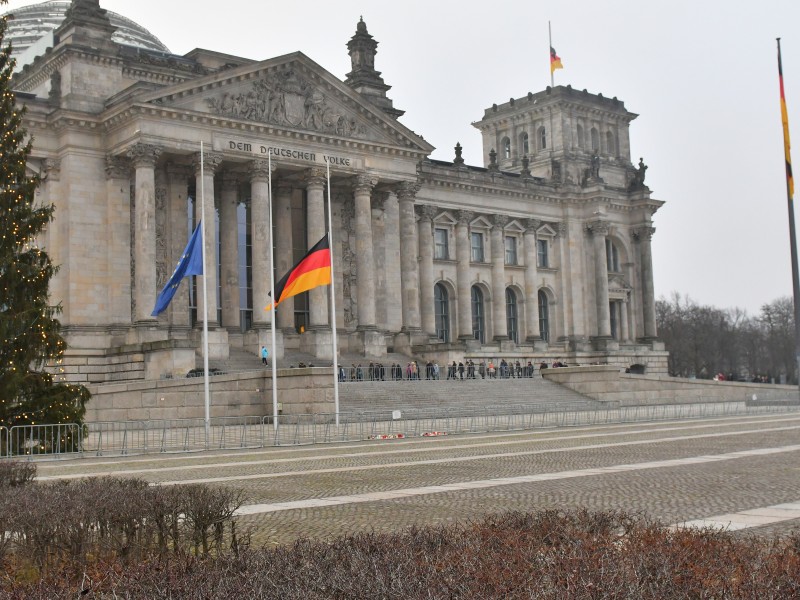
31,346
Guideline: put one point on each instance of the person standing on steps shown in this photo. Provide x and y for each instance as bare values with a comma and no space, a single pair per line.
264,355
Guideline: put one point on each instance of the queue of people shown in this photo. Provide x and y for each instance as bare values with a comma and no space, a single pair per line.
456,370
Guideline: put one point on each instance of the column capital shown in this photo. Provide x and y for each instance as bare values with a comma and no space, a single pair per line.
211,162
144,155
465,217
644,233
532,225
426,212
52,168
407,190
562,228
118,167
598,227
500,221
314,177
363,183
259,170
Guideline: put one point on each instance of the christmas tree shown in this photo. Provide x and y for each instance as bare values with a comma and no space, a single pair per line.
31,346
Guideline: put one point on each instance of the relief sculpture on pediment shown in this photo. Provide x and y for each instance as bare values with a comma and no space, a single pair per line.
287,99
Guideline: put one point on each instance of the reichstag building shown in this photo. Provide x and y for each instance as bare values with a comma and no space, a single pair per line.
543,251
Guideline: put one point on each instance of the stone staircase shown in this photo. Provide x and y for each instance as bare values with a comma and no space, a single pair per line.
501,395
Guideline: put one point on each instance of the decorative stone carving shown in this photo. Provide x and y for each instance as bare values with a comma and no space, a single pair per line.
54,96
259,170
118,167
406,190
211,162
363,183
315,176
598,227
525,172
493,160
458,160
556,172
643,233
379,200
426,212
52,169
562,229
162,272
465,217
144,155
500,221
636,177
288,99
532,225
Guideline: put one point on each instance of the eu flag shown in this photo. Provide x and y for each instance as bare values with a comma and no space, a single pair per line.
191,263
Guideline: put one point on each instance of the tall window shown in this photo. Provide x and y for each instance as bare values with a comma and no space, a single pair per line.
477,246
613,306
525,146
581,139
477,314
544,317
506,148
595,139
441,306
440,249
511,315
542,252
542,138
611,146
612,257
511,250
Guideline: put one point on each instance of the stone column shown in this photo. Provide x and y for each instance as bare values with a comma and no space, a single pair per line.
391,252
599,230
623,318
315,220
409,250
118,189
463,252
284,258
500,324
365,261
144,157
260,241
644,236
531,286
229,251
426,215
204,186
178,234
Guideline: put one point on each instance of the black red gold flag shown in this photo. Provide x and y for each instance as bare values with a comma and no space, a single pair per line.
555,61
311,271
785,120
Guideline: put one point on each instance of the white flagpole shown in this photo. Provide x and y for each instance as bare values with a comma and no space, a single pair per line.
333,305
205,298
272,294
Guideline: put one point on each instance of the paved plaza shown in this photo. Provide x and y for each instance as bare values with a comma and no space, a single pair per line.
740,472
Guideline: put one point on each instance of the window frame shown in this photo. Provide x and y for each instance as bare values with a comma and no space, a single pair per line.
441,248
477,254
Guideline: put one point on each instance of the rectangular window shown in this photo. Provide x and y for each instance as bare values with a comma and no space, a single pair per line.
477,246
511,250
440,250
542,252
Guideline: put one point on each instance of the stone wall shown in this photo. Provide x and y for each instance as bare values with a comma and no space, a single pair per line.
300,391
610,384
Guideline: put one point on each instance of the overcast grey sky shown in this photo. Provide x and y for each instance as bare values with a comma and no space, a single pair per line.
702,75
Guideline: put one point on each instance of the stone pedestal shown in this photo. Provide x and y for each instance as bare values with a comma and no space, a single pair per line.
318,342
507,345
605,343
263,337
218,348
369,342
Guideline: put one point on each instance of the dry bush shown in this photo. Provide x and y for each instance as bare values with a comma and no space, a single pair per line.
549,555
14,473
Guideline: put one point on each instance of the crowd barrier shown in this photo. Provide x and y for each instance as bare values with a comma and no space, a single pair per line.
192,435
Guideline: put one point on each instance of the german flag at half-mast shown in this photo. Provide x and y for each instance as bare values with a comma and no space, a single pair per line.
555,61
313,270
785,121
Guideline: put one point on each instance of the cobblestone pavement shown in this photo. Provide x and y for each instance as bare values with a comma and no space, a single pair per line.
672,471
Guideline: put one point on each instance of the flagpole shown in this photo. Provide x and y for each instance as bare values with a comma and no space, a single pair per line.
207,401
550,39
792,232
333,304
272,294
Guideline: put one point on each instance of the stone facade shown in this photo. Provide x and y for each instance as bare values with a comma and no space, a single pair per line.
544,251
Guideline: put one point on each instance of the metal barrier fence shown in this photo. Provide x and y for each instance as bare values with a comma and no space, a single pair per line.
189,435
435,372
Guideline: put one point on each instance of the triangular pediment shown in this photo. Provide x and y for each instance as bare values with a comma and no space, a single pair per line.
546,230
290,92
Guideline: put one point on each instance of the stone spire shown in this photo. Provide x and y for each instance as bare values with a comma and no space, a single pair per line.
364,79
86,24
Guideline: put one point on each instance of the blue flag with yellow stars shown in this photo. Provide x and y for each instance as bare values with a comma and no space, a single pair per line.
191,263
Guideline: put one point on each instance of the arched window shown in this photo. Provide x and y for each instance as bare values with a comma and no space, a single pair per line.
612,257
544,317
506,145
511,315
477,314
595,139
542,138
524,143
611,146
441,305
581,138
